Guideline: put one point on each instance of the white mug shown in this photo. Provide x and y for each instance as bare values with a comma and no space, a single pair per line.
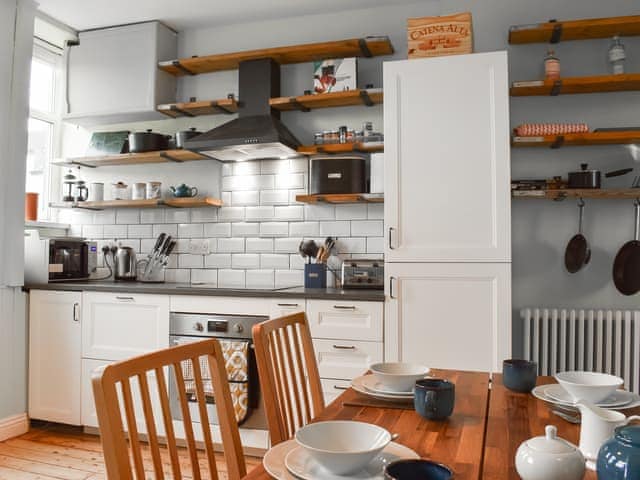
138,191
96,192
154,190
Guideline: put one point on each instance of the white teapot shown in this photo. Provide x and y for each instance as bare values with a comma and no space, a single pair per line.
549,458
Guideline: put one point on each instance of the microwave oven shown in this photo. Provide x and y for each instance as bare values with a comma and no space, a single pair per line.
58,259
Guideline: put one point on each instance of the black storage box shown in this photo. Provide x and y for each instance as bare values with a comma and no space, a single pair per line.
338,174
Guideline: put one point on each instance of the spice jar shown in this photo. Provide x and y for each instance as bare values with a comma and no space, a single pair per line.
551,66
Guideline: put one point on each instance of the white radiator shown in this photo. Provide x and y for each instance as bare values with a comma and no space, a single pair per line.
594,340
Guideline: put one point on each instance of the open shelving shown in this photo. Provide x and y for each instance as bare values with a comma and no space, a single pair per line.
368,97
362,147
623,137
192,202
555,31
340,198
354,47
608,193
164,156
225,106
576,85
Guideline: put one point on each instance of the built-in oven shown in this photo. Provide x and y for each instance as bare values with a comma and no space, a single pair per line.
234,334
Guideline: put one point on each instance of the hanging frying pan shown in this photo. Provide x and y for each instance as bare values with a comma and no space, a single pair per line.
577,254
626,267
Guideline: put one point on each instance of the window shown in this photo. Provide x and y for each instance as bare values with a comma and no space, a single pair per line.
44,122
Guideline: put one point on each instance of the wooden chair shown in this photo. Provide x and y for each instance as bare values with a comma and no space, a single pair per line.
112,386
288,372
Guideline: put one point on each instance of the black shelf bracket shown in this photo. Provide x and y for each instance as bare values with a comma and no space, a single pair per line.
557,87
216,106
556,33
364,48
558,142
179,66
170,158
174,108
366,99
294,101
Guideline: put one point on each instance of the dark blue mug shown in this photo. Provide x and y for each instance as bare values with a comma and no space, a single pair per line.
417,469
519,375
434,398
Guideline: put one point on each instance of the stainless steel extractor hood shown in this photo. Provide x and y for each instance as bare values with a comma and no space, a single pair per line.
258,131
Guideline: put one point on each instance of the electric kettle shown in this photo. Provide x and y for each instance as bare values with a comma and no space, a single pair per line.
124,263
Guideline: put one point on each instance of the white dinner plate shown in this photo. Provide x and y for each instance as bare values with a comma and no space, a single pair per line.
373,385
617,399
358,385
540,392
302,465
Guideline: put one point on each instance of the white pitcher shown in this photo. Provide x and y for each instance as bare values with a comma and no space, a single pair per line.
597,426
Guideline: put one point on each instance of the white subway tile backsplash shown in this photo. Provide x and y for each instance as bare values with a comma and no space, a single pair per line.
186,260
104,217
375,211
351,212
236,183
351,245
367,228
245,229
218,260
147,244
190,230
259,213
335,229
289,278
275,166
274,197
299,165
375,245
290,180
226,198
204,277
115,231
173,261
286,245
289,212
217,230
304,229
231,245
274,261
319,212
259,245
140,231
127,216
182,245
231,214
231,278
296,262
260,279
177,275
167,228
152,215
204,215
176,215
274,229
251,197
227,169
130,242
245,260
246,168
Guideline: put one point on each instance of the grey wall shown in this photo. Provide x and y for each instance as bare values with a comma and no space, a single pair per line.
540,228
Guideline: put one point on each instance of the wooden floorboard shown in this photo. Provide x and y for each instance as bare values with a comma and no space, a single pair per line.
61,452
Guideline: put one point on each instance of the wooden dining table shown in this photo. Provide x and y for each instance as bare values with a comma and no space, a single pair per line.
479,440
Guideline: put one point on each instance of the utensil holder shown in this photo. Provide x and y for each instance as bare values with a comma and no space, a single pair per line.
315,275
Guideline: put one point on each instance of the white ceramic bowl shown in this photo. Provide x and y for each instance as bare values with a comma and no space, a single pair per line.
590,386
343,447
397,376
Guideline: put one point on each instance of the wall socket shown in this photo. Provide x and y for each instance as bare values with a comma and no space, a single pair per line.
199,247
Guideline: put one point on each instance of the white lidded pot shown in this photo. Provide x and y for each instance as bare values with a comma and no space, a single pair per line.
549,458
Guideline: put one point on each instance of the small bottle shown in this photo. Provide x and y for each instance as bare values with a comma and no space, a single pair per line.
617,56
551,66
343,134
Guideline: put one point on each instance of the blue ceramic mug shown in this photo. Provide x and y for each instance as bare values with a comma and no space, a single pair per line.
519,375
434,398
417,469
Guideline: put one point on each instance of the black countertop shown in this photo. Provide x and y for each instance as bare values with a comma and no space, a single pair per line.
188,289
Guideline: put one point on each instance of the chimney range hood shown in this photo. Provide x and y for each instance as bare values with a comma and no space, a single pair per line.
257,132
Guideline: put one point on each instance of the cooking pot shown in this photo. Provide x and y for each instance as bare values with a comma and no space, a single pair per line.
185,135
585,178
148,141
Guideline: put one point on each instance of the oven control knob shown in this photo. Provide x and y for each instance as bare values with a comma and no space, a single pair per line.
238,328
198,327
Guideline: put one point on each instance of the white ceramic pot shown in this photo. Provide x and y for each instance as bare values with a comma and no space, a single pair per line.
96,192
549,458
138,191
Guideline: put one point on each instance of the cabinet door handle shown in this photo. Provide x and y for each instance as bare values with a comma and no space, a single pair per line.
76,312
391,247
344,347
288,305
340,387
391,280
125,299
344,307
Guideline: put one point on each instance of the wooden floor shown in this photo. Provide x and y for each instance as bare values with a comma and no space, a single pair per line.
56,452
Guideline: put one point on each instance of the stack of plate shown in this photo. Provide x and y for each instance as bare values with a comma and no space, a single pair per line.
557,395
371,386
390,380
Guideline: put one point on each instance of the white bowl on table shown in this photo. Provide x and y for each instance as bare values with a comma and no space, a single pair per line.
343,447
593,387
398,376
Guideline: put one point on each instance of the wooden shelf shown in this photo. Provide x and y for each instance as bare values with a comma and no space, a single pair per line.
164,156
554,32
195,109
573,85
340,198
579,139
342,148
328,100
193,202
354,47
623,193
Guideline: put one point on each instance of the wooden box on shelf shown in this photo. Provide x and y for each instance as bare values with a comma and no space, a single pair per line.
439,36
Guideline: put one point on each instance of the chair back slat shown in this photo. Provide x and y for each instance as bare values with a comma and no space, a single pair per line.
123,459
289,376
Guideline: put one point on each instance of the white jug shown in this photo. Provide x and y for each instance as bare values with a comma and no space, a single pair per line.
597,426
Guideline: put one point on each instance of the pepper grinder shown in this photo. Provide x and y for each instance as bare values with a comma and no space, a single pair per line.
617,56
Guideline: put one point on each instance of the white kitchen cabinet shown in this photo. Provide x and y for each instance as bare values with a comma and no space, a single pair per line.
447,172
346,359
332,388
54,356
120,326
113,74
339,319
281,307
446,315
